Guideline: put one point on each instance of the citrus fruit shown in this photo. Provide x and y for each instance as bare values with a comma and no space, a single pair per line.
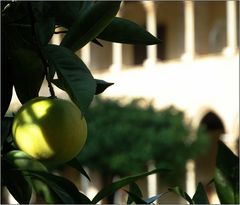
51,130
20,159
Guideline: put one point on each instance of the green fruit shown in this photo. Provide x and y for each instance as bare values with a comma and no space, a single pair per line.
20,159
50,130
23,162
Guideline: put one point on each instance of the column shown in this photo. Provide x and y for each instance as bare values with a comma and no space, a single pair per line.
152,180
116,57
190,178
117,51
86,54
189,41
151,26
231,28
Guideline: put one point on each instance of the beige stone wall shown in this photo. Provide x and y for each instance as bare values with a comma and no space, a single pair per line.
210,25
101,57
205,84
133,11
171,14
210,30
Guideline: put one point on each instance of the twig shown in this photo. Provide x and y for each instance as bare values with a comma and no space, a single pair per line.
41,54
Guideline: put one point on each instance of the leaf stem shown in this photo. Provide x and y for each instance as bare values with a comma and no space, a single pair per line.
40,51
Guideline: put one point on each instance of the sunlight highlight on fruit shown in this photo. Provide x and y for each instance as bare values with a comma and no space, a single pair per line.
41,107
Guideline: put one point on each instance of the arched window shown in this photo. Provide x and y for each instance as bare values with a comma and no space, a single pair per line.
212,122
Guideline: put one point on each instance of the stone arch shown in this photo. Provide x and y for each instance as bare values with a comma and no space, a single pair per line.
209,112
212,122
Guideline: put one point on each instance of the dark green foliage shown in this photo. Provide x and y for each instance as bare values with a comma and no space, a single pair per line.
66,191
6,73
16,183
28,28
6,125
135,198
101,86
135,195
121,183
133,188
200,196
73,75
226,176
124,31
90,23
122,134
226,180
77,165
177,190
27,58
27,68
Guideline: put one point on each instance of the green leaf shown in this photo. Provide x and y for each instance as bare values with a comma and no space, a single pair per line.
97,42
76,164
135,198
177,190
44,23
138,200
133,188
28,73
200,196
6,75
86,5
226,177
67,12
23,162
20,160
64,13
63,188
223,188
45,30
6,128
124,31
121,183
3,5
41,9
58,83
24,68
13,12
45,192
16,183
6,88
101,86
154,198
90,23
20,36
73,73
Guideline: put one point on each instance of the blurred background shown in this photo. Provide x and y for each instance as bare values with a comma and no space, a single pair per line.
169,104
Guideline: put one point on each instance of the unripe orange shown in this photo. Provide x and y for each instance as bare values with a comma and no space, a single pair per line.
50,130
